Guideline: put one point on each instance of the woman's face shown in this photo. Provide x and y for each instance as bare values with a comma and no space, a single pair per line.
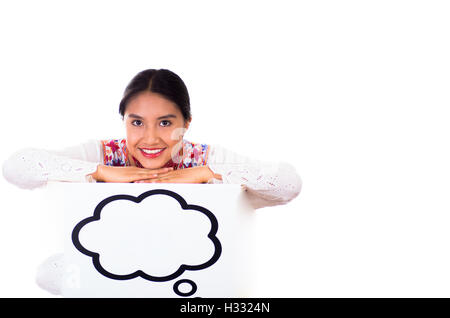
153,123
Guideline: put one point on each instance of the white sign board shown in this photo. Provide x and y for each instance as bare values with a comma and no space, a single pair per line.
155,240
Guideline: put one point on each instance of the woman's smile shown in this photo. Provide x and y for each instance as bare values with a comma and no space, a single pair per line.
151,153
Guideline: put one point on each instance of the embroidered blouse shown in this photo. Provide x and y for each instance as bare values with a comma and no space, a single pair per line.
266,183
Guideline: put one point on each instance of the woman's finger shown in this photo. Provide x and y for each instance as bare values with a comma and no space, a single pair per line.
165,174
161,179
155,180
160,170
152,172
143,181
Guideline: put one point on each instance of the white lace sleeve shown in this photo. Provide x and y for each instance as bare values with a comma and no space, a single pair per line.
267,183
30,168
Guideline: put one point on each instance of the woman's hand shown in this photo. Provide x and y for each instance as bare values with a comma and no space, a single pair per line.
201,174
126,174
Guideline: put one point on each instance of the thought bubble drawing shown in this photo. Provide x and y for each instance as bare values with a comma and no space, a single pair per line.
156,236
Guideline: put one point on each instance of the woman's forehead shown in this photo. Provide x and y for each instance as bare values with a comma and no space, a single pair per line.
151,106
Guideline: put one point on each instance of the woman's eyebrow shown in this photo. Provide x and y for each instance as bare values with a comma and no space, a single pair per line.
140,117
167,116
135,116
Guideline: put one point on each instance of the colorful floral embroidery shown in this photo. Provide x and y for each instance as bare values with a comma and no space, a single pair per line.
115,153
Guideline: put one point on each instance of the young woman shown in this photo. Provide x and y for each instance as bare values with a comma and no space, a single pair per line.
156,112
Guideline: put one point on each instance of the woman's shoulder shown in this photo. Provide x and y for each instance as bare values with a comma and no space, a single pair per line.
194,154
114,152
116,142
212,153
189,145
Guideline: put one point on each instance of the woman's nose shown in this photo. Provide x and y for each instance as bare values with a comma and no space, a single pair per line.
150,134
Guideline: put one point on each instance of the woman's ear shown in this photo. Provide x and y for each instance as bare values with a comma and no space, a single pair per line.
187,124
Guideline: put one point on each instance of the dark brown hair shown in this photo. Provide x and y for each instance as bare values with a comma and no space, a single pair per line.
163,82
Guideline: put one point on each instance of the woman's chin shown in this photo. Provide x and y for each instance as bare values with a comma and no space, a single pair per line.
155,163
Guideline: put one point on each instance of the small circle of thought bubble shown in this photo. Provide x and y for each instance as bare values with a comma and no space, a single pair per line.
119,206
176,288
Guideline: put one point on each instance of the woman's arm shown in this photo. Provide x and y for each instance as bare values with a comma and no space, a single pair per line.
267,183
30,168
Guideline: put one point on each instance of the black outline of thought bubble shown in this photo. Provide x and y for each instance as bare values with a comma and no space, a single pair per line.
140,273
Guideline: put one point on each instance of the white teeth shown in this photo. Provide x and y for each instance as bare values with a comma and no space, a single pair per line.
151,151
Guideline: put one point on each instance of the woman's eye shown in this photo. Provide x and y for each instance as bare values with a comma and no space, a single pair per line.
166,121
136,122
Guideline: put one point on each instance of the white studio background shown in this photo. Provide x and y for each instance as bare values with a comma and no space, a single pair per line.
354,94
